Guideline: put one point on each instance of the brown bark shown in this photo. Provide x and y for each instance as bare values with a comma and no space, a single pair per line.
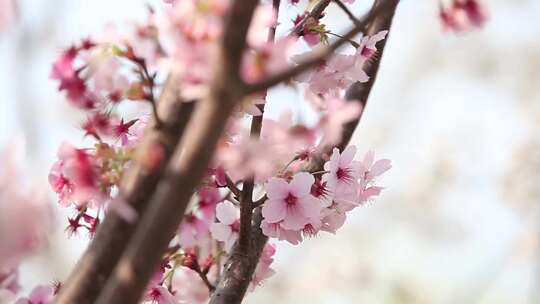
186,168
239,268
98,261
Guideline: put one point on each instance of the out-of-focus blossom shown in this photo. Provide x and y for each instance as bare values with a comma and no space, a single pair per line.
228,227
266,59
8,14
463,15
25,217
39,295
263,270
192,290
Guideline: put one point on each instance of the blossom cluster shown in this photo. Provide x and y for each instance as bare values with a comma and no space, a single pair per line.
101,75
309,203
462,15
25,220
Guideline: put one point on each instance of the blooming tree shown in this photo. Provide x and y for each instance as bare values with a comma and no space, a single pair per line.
184,202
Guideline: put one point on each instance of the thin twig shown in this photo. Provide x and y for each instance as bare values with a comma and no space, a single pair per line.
352,42
239,269
230,184
319,55
347,12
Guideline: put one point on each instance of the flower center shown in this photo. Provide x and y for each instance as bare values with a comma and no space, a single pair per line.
235,227
343,174
290,199
309,231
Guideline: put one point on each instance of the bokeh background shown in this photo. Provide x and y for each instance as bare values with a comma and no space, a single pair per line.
457,114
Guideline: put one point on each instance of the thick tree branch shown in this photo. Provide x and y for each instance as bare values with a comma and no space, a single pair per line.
186,168
98,261
239,268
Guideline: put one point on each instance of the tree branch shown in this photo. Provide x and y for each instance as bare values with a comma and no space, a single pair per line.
319,55
239,268
186,168
246,202
98,261
315,13
348,12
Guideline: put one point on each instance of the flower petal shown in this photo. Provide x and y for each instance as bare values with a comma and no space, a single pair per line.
295,219
274,210
301,184
227,213
347,156
277,188
220,231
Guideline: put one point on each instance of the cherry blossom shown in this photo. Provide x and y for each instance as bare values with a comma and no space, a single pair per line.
263,270
228,227
462,15
25,217
160,295
39,295
98,76
291,202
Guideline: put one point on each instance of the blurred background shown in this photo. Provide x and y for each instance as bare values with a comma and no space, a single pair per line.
457,114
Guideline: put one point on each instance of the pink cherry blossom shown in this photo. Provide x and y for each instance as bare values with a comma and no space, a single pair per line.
275,230
266,59
159,295
121,130
228,227
332,219
339,72
337,113
369,169
39,295
291,202
70,80
9,283
264,17
194,291
462,15
343,171
193,228
263,270
368,47
342,179
25,218
208,198
75,178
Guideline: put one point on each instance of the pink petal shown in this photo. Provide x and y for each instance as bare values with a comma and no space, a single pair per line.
368,159
220,231
291,236
347,156
333,222
295,219
301,184
227,213
310,207
277,188
270,229
274,210
380,166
